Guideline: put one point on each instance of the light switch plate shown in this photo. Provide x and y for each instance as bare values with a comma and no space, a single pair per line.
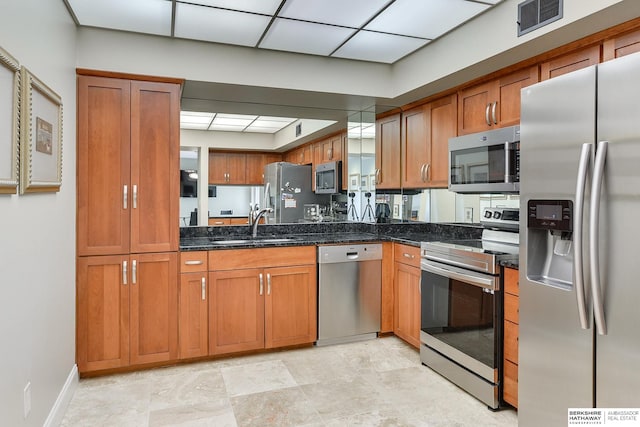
468,214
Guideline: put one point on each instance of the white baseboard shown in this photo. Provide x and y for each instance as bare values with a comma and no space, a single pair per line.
66,394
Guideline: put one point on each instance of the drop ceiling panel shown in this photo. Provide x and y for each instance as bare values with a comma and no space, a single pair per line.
142,16
379,47
425,18
304,37
267,7
352,13
219,25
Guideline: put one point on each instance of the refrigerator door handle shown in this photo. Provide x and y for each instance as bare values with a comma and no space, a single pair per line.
594,226
578,264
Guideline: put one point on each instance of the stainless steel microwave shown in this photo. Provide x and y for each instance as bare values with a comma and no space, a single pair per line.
328,178
485,162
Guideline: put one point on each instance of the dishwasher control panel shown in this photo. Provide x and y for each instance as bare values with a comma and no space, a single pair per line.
349,253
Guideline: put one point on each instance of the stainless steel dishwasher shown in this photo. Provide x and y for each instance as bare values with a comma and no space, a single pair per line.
349,292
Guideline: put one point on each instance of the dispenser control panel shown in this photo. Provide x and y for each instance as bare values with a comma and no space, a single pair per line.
550,214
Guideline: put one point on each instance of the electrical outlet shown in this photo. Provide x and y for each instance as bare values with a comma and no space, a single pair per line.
468,214
27,399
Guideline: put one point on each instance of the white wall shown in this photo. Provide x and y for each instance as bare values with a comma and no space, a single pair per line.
37,249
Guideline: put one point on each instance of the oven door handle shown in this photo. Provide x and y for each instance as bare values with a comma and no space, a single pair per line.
480,280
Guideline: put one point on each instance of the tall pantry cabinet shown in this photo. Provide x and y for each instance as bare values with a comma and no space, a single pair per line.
127,221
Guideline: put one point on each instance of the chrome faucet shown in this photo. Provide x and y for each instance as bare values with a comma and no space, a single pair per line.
256,221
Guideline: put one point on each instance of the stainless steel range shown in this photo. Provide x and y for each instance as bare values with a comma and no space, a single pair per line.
461,297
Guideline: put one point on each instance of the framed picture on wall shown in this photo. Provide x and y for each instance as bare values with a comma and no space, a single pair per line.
9,122
40,136
354,182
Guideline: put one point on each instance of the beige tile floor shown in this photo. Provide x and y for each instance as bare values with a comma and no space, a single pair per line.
371,383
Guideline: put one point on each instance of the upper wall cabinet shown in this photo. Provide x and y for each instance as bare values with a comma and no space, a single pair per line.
256,164
128,166
388,152
495,103
621,45
570,62
328,150
425,137
301,155
227,168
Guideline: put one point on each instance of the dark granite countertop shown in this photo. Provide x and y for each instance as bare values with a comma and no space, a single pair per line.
234,237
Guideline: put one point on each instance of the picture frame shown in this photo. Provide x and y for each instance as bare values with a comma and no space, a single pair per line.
40,136
372,182
9,122
354,182
364,183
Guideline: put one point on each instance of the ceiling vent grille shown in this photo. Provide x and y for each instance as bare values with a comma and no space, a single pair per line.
533,14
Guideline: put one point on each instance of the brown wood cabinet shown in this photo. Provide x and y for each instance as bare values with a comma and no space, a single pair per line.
511,320
426,130
495,103
406,283
387,297
570,62
255,166
126,310
621,45
227,168
193,326
272,305
329,149
301,155
388,152
128,166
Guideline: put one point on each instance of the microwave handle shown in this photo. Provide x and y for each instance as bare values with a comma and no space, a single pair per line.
509,149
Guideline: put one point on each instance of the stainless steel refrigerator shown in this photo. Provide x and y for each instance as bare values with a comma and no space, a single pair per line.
579,342
287,189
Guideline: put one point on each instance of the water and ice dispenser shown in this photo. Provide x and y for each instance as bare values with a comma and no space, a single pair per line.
549,242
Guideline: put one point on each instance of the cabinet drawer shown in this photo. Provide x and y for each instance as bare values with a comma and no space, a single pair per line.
233,259
511,341
511,281
406,254
191,262
511,308
219,221
511,383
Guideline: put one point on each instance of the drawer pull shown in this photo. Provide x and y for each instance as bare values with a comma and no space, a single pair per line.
194,262
406,255
203,285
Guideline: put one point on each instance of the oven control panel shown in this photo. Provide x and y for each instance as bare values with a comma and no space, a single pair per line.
501,218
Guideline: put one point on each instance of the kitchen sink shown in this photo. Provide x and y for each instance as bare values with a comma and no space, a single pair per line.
251,241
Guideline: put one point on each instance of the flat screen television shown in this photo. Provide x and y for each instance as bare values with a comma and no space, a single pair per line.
188,183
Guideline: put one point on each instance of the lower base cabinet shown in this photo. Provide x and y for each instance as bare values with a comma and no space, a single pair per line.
127,310
273,305
406,284
511,332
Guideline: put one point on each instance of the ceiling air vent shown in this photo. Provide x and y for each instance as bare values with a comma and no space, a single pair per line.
533,14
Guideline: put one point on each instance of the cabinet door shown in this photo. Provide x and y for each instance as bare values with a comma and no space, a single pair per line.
236,307
335,153
407,303
154,307
621,45
254,169
155,166
217,168
194,320
387,305
443,125
322,150
388,152
508,109
570,62
416,153
290,306
474,105
236,168
102,313
103,165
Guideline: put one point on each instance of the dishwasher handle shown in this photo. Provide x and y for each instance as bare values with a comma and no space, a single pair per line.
352,255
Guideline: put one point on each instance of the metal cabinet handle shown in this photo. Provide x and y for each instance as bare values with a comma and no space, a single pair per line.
194,262
486,114
125,196
124,272
268,284
261,283
378,180
135,196
406,255
493,112
134,272
422,171
594,232
203,285
578,263
330,153
426,172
